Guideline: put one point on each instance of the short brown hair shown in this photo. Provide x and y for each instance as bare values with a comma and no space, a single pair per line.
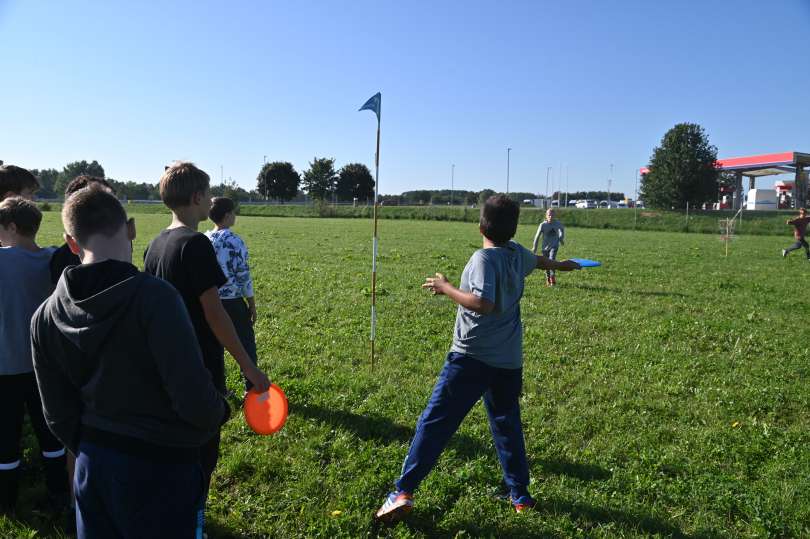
181,181
23,213
14,179
220,207
499,218
92,211
80,182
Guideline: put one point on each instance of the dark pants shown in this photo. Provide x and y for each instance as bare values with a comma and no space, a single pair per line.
461,383
124,496
19,393
550,253
237,309
798,245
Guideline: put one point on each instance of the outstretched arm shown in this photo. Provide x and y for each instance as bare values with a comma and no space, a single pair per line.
440,285
545,263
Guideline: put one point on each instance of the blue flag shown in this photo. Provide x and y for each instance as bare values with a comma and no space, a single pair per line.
374,104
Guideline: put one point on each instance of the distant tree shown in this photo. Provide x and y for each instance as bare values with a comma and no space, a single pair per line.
278,180
76,168
319,180
484,195
682,169
47,180
355,181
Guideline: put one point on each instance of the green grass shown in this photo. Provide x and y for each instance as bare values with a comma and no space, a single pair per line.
703,222
666,393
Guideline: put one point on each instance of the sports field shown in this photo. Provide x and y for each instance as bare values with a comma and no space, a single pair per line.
666,393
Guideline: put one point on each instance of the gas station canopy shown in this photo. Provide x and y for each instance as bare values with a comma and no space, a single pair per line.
770,164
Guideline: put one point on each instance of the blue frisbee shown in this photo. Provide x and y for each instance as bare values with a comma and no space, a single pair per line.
585,263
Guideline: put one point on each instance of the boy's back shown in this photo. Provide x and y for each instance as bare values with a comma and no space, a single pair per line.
497,275
186,259
26,283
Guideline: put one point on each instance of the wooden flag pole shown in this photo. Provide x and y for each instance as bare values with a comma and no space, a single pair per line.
374,248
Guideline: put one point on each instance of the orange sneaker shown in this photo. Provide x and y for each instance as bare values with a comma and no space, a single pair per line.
524,503
396,507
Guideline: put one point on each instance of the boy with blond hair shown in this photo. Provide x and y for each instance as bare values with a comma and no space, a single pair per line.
185,257
24,285
553,234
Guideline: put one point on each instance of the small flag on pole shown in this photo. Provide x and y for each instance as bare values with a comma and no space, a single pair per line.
374,104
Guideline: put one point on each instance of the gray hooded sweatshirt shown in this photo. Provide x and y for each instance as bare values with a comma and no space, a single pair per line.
116,358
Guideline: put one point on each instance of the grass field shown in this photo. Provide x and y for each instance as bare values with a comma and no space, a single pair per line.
666,393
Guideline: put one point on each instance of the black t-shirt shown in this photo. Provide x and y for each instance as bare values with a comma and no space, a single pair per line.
186,259
62,258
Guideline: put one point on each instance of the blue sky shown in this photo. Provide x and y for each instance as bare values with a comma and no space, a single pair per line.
582,83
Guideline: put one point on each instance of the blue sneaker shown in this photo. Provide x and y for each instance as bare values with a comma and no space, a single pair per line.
396,507
524,503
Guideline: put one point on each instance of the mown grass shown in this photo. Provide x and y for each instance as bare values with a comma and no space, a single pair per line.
666,393
702,222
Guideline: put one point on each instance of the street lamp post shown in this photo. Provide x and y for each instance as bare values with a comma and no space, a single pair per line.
452,177
508,152
266,199
545,194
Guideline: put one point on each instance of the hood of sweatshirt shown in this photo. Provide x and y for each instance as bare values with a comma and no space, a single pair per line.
91,299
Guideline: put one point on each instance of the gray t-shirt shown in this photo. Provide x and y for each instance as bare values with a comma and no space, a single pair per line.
553,233
497,275
25,282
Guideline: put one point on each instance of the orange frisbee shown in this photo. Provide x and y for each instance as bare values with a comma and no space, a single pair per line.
266,412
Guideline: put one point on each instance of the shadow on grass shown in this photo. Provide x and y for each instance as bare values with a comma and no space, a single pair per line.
383,430
586,517
591,288
591,515
583,472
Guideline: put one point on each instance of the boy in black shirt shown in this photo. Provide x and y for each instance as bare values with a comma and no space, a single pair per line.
122,382
63,258
186,259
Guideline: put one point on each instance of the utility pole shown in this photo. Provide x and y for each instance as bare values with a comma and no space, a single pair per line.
265,180
545,194
452,177
566,185
610,181
508,152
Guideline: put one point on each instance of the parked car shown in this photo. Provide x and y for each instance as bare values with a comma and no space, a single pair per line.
573,202
586,204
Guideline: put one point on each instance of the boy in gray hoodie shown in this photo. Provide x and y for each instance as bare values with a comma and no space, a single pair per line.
123,384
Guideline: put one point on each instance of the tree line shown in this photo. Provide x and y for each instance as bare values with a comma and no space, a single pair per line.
280,181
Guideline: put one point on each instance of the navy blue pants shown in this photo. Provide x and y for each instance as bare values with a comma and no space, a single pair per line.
461,383
238,310
124,496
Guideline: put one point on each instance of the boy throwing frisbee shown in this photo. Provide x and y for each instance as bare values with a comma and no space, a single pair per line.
485,359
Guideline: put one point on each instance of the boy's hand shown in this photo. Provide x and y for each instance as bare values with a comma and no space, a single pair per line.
569,265
260,381
252,313
436,285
